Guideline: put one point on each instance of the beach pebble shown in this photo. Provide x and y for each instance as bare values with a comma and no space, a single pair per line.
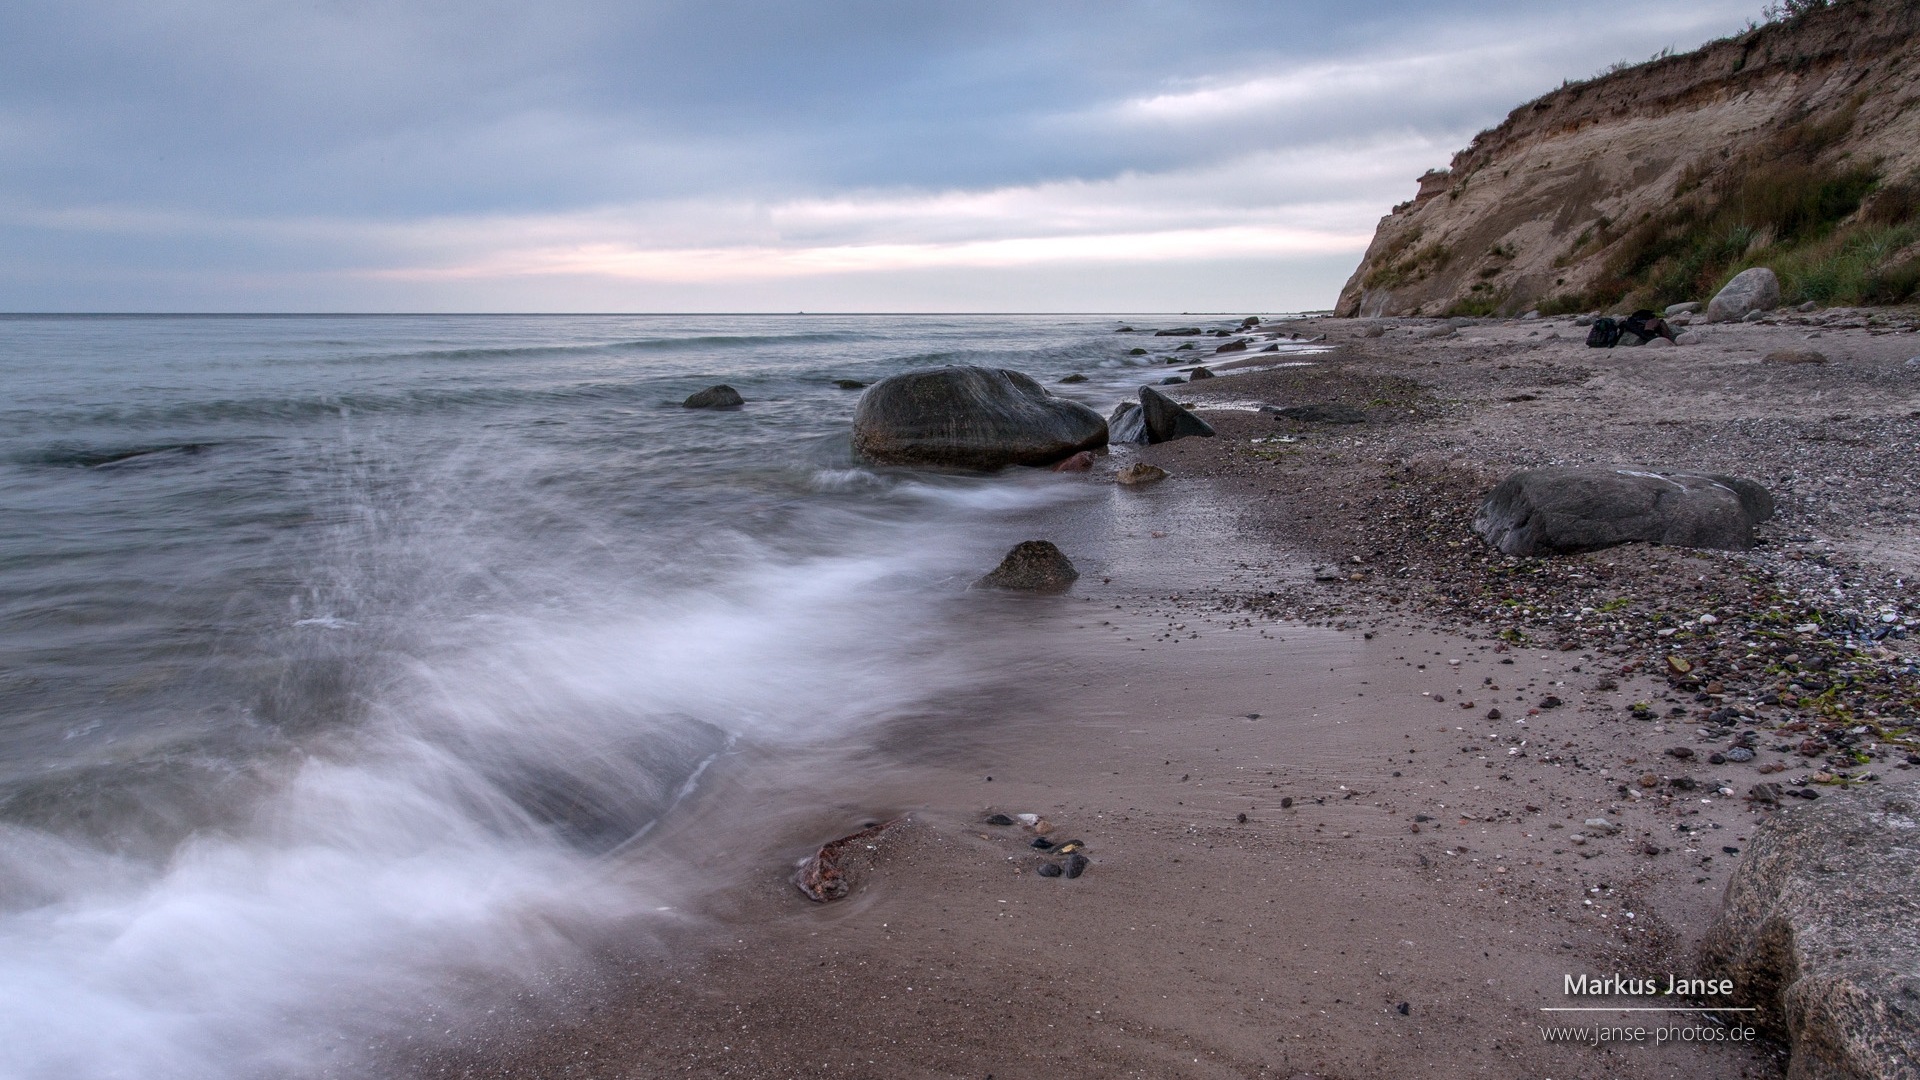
1286,802
1050,870
1681,752
999,819
1201,373
1739,753
1076,865
1041,843
1140,473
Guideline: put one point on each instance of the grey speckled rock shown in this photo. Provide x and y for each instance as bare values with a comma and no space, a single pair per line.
971,418
1032,566
1749,291
1585,508
1166,420
1820,931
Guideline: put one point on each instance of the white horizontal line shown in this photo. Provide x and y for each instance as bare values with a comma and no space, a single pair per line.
1650,1009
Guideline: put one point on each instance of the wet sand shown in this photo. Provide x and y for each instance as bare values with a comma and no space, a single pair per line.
1413,880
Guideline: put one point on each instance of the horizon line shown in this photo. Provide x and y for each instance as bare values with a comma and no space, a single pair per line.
577,314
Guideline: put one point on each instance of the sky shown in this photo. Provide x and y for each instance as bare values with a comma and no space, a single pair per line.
750,155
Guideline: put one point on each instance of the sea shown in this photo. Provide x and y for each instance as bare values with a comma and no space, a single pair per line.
335,646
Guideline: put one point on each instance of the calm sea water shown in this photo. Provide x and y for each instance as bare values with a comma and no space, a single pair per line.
330,645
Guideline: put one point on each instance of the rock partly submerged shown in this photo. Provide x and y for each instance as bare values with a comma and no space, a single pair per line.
1820,932
1586,508
971,418
715,397
1032,566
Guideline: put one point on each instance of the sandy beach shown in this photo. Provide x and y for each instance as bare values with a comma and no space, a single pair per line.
1339,824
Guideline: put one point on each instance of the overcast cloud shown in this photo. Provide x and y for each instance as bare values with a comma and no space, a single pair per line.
1119,155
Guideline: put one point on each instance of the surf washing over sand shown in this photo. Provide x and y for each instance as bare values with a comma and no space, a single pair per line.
348,660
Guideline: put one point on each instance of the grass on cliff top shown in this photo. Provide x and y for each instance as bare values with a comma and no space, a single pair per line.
1834,231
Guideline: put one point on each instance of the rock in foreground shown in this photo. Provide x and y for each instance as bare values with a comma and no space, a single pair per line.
715,397
1820,931
1571,509
1127,424
1166,420
1032,566
971,418
828,874
1749,291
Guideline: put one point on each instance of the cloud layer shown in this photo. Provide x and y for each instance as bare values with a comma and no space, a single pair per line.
744,154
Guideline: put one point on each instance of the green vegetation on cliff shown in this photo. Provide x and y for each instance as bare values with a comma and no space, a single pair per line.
1835,230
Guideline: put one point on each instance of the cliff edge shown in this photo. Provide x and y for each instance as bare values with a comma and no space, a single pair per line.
1795,145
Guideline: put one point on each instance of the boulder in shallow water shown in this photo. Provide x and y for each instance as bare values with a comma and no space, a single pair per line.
1076,377
971,418
1820,932
1200,373
1237,345
715,397
1585,508
1032,566
1080,462
850,384
1167,420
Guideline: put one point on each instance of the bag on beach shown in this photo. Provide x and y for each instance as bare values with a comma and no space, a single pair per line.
1604,335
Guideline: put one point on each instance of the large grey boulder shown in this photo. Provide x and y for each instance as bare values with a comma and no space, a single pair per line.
1820,932
1749,291
1166,420
1585,508
971,418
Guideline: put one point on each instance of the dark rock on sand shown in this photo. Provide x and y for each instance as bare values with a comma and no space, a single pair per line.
1166,420
1320,414
971,418
1200,373
999,819
1820,931
1049,869
1041,843
1076,865
1172,380
850,384
715,397
1032,566
1585,508
1127,424
1080,462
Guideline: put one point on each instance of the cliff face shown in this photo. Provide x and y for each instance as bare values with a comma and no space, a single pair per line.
1622,186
